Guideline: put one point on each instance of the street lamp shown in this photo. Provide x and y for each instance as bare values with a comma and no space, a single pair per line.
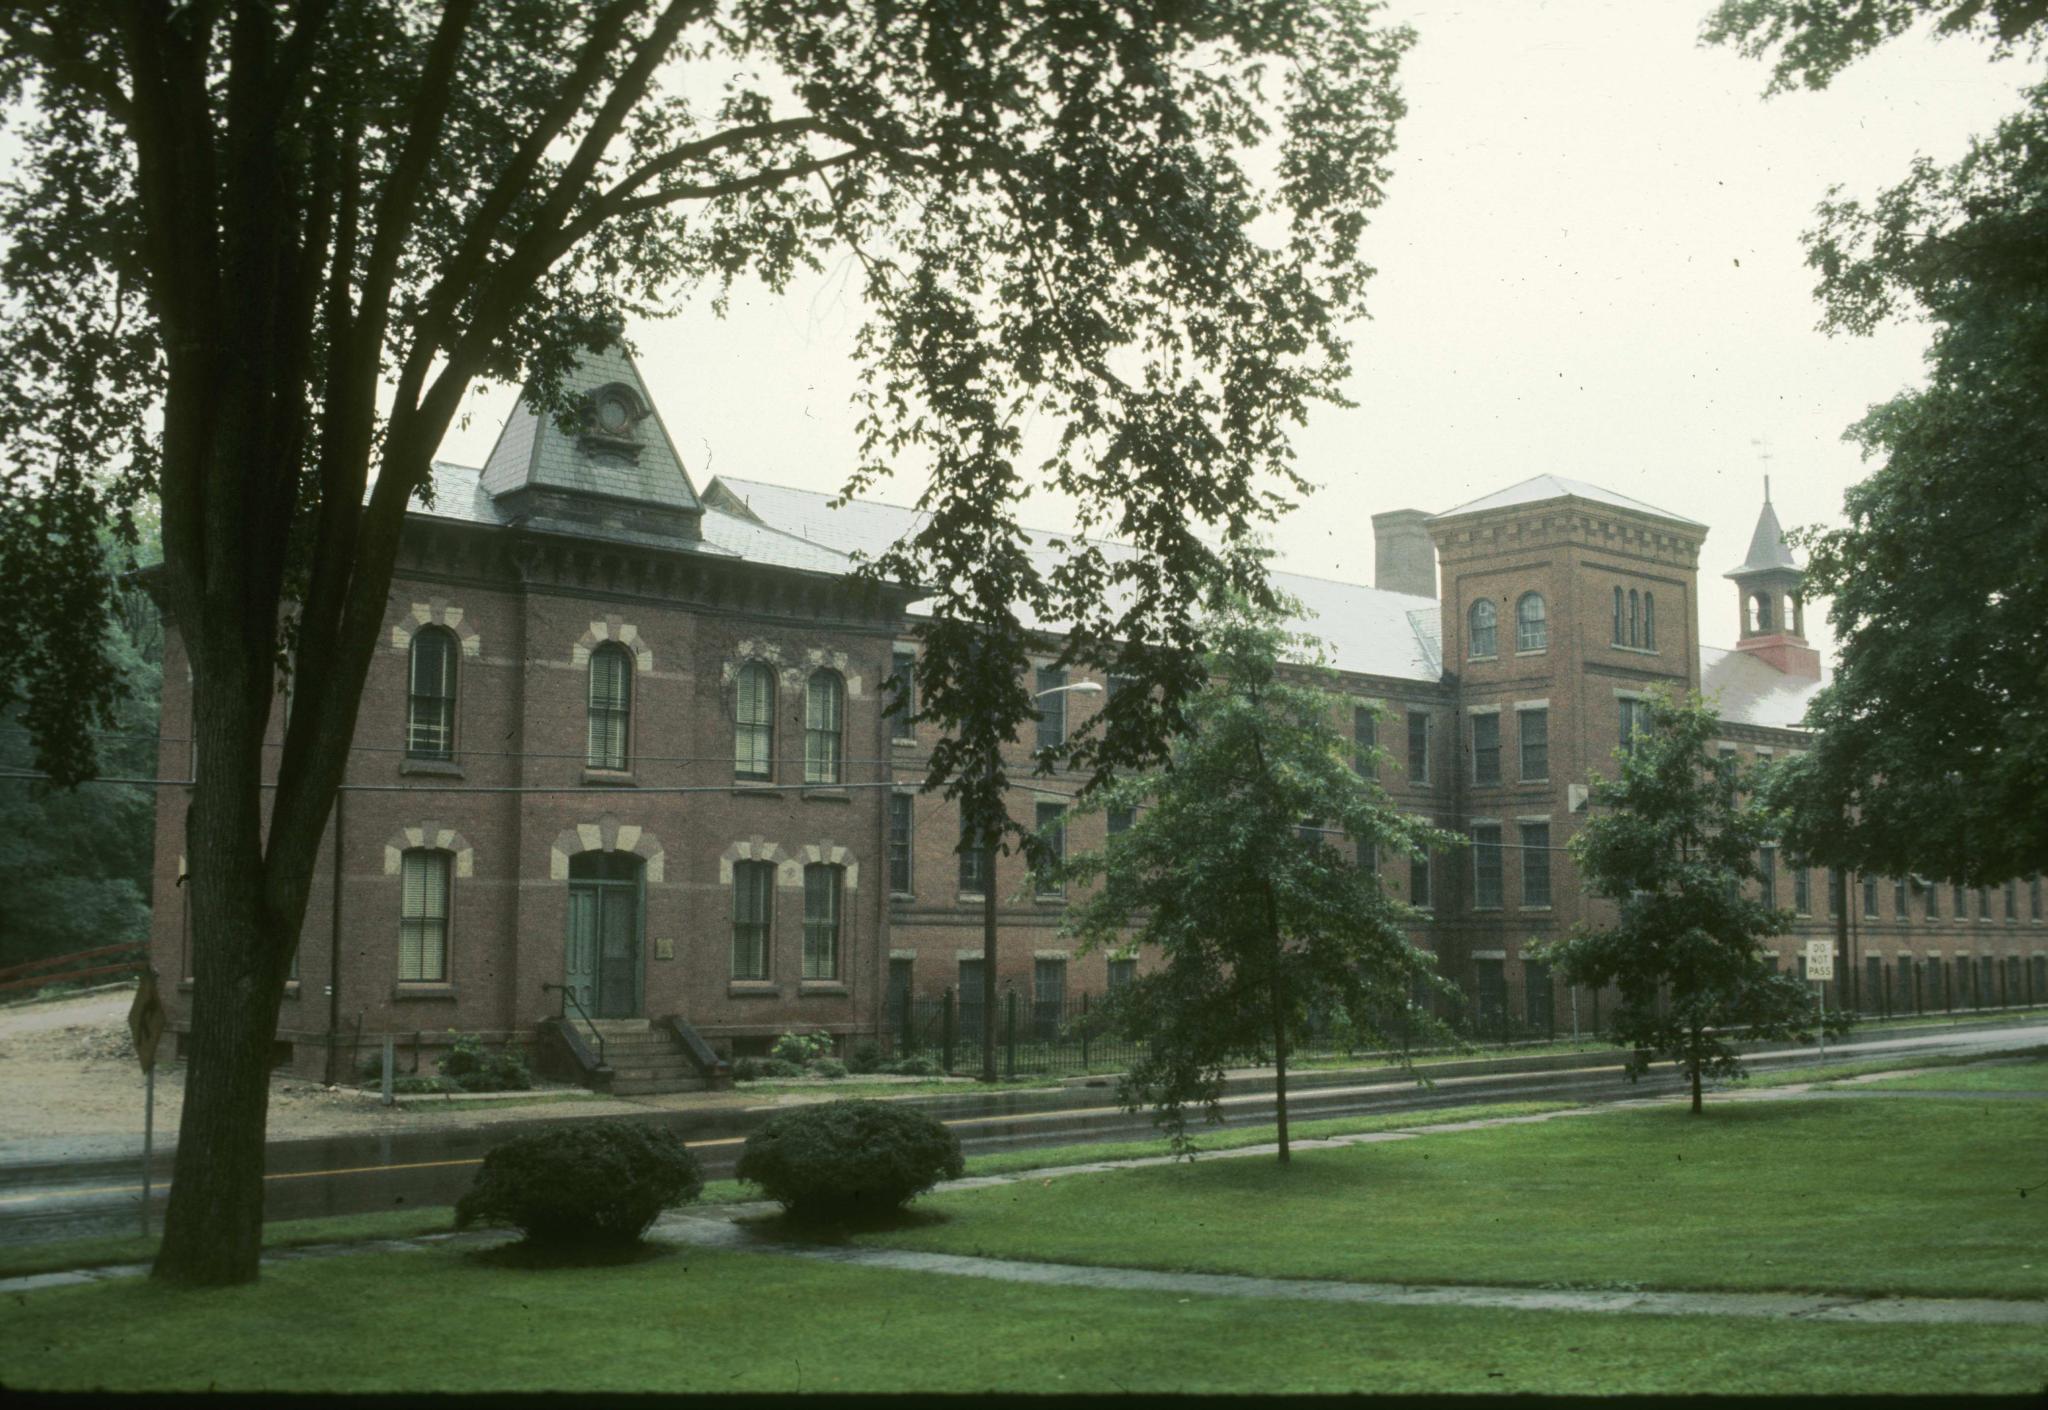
988,895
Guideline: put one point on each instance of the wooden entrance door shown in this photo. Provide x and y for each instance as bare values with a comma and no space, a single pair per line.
604,963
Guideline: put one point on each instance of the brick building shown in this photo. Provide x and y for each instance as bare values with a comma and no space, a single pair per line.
626,740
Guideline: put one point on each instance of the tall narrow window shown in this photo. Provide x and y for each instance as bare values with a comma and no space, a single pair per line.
1634,713
1649,621
824,708
900,805
611,705
1122,972
1418,881
1619,639
974,860
753,739
1051,704
1535,864
423,917
1418,749
1535,731
1485,620
821,922
1364,736
2034,899
1486,867
1869,895
1048,997
1053,828
1983,903
1933,902
1486,749
903,697
753,912
1899,897
1962,902
1532,623
1120,819
2012,902
1635,618
1802,892
1767,867
430,703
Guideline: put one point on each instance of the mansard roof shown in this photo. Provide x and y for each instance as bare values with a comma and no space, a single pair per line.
1538,488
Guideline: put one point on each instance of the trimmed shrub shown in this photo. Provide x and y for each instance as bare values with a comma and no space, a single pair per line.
753,1069
826,1067
600,1182
800,1048
474,1068
848,1160
865,1057
912,1067
415,1086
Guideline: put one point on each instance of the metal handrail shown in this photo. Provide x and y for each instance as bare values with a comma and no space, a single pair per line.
569,997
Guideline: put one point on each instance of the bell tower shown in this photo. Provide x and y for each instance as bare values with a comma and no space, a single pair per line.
1769,590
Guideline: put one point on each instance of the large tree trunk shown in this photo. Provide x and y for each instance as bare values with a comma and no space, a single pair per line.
1695,1087
1279,1027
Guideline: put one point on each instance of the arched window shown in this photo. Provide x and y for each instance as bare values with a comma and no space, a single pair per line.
611,705
423,917
824,709
1485,620
1532,623
1635,618
753,744
1760,612
1617,617
1649,621
430,700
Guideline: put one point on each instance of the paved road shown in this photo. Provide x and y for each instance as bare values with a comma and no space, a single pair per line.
361,1174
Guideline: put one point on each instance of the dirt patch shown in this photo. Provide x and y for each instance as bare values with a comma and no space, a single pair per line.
68,1069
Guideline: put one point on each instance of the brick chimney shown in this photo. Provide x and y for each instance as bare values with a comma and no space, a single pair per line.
1404,555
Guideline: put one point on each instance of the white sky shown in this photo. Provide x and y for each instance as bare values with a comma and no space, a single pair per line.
1589,265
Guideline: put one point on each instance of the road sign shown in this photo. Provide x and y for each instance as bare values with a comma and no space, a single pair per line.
146,1020
1820,959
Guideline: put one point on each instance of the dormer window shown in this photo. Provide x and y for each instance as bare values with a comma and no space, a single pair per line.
611,418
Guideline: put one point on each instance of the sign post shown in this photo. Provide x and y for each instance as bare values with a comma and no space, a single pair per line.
1820,967
146,1027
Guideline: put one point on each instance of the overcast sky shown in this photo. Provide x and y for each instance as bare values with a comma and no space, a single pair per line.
1589,265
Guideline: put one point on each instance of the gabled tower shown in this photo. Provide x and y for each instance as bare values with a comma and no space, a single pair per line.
1769,590
614,475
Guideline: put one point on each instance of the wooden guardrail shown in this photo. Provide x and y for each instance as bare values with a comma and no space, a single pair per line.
74,967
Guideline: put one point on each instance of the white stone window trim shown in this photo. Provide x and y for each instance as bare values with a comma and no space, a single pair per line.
428,836
1623,693
608,834
1482,709
1532,818
1521,705
615,629
1489,954
436,612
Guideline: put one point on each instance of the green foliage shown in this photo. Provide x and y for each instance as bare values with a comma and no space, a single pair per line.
911,1067
1259,922
753,1069
849,1160
75,863
474,1068
1931,755
800,1048
826,1067
1673,842
599,1182
866,1057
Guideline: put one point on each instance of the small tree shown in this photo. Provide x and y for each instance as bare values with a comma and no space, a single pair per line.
1242,865
1674,842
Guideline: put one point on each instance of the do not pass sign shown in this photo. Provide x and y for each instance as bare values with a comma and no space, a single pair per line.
1820,959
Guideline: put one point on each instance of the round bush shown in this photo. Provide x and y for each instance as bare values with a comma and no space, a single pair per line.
826,1067
912,1067
865,1057
847,1160
600,1182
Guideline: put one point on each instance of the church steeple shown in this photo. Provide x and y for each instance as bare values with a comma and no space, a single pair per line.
1769,590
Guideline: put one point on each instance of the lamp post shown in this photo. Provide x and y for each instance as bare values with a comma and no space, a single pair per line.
988,895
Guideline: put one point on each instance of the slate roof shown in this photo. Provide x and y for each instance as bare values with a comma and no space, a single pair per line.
1748,691
459,494
1542,487
1767,547
533,451
1366,631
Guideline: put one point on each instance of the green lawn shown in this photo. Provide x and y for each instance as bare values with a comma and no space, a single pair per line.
113,1250
1813,1070
1874,1196
2030,1075
446,1319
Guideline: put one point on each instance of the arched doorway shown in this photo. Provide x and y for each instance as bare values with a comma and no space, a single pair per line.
604,967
